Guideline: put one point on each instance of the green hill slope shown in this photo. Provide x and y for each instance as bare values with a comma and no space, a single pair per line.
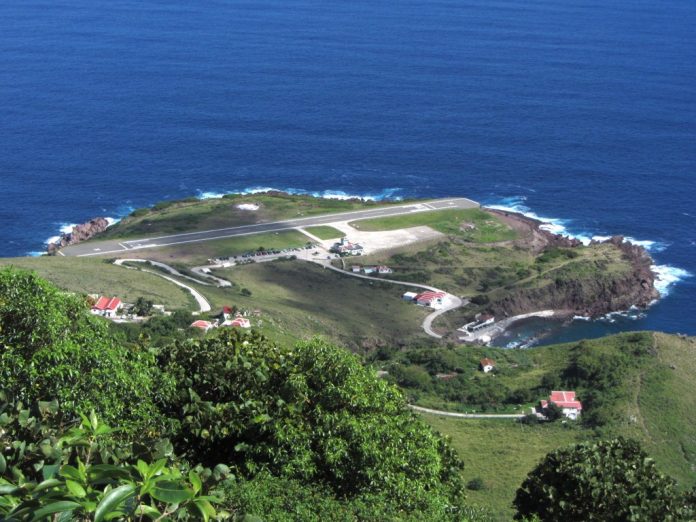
638,385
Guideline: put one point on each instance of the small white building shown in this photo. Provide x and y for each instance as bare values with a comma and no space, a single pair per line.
346,248
409,296
481,321
384,270
237,322
356,269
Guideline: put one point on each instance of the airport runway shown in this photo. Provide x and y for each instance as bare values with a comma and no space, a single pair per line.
115,246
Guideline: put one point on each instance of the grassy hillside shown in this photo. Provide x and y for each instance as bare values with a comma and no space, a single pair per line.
97,276
638,385
500,453
300,299
170,217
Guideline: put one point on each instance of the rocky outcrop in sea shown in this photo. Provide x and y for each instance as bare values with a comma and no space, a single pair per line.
79,233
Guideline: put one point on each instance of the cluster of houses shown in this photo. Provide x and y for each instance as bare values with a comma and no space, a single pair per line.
379,269
226,318
346,248
429,298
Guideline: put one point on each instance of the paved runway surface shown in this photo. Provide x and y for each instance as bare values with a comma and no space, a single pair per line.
93,248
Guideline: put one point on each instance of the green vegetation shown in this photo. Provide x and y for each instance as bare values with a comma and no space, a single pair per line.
237,409
609,481
171,217
355,436
53,348
100,276
633,385
472,225
299,300
81,475
325,232
500,452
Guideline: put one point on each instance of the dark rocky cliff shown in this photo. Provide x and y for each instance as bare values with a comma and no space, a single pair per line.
79,233
591,295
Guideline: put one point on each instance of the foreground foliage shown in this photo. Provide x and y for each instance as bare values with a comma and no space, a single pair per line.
311,414
604,481
81,475
52,348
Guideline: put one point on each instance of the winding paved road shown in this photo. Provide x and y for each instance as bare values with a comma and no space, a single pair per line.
116,246
203,304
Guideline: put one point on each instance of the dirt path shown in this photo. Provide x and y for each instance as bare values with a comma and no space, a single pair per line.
420,409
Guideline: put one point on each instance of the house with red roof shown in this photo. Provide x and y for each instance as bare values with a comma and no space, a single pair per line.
566,400
487,365
430,298
107,306
238,322
202,325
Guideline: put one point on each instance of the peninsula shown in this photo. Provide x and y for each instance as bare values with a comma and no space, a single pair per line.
488,267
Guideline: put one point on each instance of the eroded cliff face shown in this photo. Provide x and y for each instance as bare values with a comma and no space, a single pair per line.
79,233
592,296
589,296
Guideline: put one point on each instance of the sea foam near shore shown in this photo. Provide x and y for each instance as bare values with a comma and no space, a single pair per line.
385,194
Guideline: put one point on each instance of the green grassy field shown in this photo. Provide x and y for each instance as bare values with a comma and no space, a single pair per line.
325,232
501,453
97,276
193,254
300,300
192,214
473,224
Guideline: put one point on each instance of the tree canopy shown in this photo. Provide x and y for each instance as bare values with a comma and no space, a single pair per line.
51,348
605,481
311,413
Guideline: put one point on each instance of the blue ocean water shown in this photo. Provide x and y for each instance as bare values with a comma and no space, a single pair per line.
580,111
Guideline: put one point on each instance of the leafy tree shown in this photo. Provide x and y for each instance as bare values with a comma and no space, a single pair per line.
80,476
51,347
553,412
313,414
142,306
605,481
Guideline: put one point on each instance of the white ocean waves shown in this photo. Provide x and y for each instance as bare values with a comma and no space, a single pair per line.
667,276
385,194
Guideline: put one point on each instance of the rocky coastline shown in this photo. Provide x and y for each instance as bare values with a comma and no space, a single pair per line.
590,298
79,233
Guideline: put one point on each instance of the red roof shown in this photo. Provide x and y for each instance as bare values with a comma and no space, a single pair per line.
107,303
487,362
429,296
227,309
564,399
201,324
